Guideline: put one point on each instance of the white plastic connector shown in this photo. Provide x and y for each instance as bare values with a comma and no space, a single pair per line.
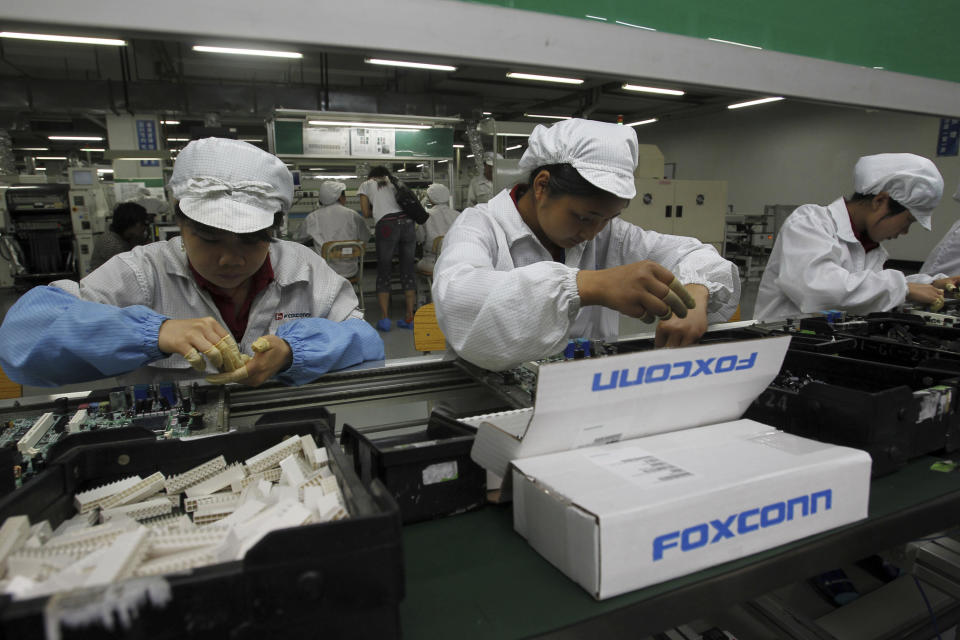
13,533
329,507
77,421
96,536
162,544
209,513
87,500
177,483
139,510
42,531
243,513
320,457
33,435
330,485
272,456
225,478
291,473
286,514
145,488
182,561
126,554
308,446
171,524
223,499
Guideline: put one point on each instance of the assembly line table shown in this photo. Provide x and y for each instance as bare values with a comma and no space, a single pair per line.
472,576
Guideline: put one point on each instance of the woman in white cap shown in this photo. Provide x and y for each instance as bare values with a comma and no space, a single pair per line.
550,260
481,186
224,296
442,216
830,257
945,257
334,221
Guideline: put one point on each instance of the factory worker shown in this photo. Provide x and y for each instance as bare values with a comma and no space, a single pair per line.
127,230
830,257
334,221
395,234
481,187
550,260
945,257
442,216
224,296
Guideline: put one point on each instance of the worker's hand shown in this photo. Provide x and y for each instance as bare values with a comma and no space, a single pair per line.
272,355
924,294
679,332
951,286
644,290
191,337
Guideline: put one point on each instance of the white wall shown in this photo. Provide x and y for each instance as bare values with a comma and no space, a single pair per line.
792,153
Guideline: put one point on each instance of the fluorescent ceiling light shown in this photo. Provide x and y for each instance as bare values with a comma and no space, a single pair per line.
33,148
104,170
178,139
71,39
545,116
458,146
595,17
878,67
641,88
314,168
419,165
412,65
541,78
470,156
78,138
635,26
51,158
170,122
516,146
642,122
400,170
487,113
442,161
368,125
739,44
251,139
39,168
92,150
248,52
754,102
330,177
513,135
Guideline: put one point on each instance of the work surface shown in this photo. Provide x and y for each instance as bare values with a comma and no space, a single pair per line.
472,576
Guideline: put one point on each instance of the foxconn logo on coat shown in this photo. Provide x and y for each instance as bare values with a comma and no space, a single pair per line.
619,378
280,315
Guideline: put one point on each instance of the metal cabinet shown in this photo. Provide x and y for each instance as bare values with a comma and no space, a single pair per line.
692,208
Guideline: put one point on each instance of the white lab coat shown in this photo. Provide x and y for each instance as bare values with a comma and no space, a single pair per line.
479,191
817,263
158,276
334,222
441,217
945,257
501,299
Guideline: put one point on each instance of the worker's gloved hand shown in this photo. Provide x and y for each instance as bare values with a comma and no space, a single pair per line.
273,354
680,332
950,286
644,290
193,338
925,294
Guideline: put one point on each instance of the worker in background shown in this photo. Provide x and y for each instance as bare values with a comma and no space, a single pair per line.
551,260
442,216
945,257
128,229
830,257
395,232
334,221
223,296
481,187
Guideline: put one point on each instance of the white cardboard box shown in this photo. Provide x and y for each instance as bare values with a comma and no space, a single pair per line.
622,516
599,400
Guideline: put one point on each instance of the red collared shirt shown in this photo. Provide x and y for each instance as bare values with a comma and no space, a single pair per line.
868,244
236,319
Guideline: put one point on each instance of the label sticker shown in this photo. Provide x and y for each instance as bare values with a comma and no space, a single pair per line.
440,472
637,465
597,435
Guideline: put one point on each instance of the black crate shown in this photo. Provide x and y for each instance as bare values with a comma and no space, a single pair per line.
411,465
861,404
341,579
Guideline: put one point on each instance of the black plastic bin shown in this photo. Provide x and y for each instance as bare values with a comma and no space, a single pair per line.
429,471
862,404
341,579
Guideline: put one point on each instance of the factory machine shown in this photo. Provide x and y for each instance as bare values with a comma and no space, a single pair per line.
39,219
91,205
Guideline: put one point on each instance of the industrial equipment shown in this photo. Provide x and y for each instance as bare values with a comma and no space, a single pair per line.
40,217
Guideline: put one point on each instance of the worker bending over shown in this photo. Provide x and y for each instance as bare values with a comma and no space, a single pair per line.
334,221
830,257
224,296
550,260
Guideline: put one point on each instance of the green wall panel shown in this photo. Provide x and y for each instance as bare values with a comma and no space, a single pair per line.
288,137
918,37
425,143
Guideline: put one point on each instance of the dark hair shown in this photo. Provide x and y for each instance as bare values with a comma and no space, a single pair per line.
263,235
126,215
567,181
379,171
895,207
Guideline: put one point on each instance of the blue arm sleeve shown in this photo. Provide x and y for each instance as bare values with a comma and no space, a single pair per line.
320,345
50,338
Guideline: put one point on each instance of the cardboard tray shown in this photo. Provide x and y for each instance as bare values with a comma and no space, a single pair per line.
335,579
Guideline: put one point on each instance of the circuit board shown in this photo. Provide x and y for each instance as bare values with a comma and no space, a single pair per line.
168,410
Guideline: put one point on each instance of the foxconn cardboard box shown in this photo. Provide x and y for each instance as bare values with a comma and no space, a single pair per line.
623,516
